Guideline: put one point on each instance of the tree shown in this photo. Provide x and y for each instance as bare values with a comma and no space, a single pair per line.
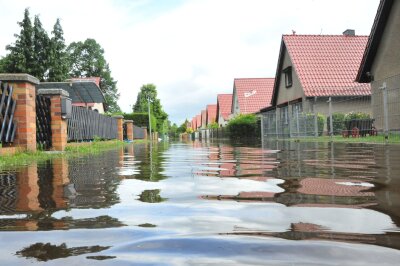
149,91
20,58
183,127
41,45
87,60
58,58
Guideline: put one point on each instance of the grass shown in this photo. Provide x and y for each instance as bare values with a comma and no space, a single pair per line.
72,150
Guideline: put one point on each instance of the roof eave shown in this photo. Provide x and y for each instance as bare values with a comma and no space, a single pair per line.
278,74
374,40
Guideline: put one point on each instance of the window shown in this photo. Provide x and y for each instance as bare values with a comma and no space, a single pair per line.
288,76
297,108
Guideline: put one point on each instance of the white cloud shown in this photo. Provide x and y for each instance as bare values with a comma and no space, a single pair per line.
191,50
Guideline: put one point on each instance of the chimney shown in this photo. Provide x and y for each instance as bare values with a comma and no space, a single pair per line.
349,32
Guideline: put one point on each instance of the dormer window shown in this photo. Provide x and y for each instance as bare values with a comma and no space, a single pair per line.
288,76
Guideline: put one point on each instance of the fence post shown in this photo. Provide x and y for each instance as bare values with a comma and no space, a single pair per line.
59,125
330,117
277,122
120,127
385,111
129,129
316,124
25,111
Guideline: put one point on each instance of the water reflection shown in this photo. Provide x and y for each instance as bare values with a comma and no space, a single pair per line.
140,202
45,252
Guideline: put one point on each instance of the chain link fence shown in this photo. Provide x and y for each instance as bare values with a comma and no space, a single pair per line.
361,116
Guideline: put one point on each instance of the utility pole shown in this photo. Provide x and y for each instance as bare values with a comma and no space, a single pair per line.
148,109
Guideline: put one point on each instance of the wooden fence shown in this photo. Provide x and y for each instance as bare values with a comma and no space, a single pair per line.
7,109
87,125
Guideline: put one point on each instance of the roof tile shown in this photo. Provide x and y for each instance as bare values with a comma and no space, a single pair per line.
253,93
224,103
327,65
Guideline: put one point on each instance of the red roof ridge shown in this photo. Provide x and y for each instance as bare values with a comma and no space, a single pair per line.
323,35
251,78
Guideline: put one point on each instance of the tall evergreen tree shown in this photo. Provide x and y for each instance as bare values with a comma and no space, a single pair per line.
20,59
87,60
41,45
58,58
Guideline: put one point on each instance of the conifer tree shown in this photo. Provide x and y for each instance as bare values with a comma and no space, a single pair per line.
20,59
41,45
58,58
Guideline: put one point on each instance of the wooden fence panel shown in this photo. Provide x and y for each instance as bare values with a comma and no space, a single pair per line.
86,125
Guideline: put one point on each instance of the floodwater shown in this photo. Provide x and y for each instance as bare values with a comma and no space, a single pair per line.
206,203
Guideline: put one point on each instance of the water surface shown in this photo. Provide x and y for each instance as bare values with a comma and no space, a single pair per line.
287,203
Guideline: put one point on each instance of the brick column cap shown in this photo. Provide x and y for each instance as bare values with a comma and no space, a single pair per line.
19,78
128,121
118,116
60,92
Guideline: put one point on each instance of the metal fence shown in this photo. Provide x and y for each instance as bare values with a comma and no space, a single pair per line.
374,117
139,132
86,124
7,109
43,122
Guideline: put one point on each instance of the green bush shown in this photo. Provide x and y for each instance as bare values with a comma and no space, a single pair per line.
355,116
244,126
141,120
338,123
320,122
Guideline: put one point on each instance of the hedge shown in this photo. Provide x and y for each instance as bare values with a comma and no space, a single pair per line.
244,126
141,120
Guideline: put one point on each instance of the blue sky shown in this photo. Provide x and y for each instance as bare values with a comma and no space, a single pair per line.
190,49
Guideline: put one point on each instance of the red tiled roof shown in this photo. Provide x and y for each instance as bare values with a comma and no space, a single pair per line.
194,120
211,113
224,103
203,118
198,121
333,187
327,65
258,92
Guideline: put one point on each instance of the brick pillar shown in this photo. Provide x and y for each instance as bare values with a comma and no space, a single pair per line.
60,180
59,135
129,129
145,132
120,127
25,112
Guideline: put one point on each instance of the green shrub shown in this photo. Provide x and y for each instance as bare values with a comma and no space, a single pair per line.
355,116
244,126
213,125
338,123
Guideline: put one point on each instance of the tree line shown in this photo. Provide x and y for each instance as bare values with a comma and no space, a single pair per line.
49,59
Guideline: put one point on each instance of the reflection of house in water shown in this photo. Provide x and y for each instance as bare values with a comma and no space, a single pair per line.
37,191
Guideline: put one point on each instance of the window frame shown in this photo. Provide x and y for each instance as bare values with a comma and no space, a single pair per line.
288,76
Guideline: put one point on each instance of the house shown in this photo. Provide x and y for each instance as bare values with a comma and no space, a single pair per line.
211,114
194,124
251,94
84,92
313,69
198,121
224,108
203,119
380,65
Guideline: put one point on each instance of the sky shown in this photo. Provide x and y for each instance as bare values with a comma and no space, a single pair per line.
190,49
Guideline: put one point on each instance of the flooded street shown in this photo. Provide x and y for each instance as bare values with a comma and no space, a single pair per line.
288,203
